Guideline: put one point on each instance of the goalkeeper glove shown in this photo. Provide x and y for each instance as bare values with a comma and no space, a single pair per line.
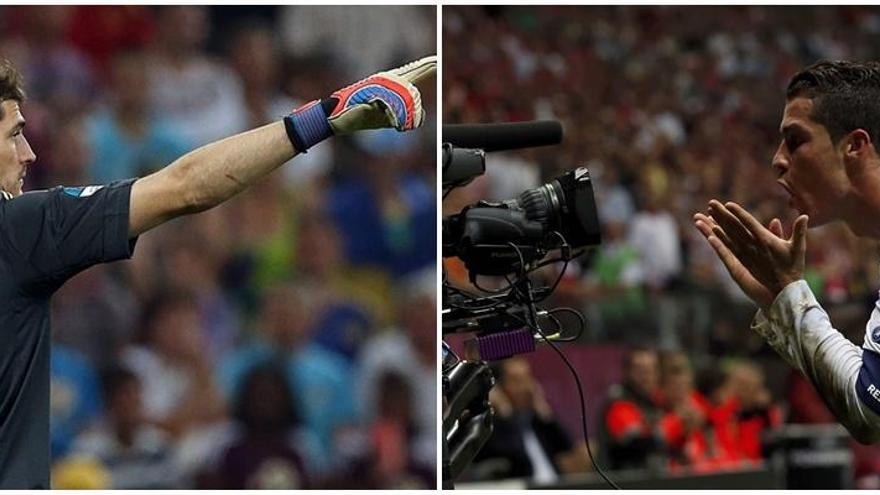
384,100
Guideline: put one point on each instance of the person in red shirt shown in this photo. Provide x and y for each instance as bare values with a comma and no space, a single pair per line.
685,426
628,433
743,413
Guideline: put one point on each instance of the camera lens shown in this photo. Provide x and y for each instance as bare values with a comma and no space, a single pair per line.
564,205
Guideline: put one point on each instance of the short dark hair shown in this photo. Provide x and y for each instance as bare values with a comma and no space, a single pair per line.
845,94
114,378
11,83
272,371
168,300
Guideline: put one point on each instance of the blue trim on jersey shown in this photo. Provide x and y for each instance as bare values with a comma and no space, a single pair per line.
868,384
73,191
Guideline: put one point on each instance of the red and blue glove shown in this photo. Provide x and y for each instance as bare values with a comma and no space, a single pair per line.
384,100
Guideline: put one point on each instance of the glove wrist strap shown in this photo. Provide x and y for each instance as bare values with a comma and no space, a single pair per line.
308,125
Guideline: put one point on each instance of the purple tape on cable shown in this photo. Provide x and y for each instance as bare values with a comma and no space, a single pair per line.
503,345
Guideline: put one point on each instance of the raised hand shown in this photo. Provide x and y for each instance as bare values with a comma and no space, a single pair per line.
386,99
760,260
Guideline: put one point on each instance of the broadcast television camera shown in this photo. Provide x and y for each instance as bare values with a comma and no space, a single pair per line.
509,239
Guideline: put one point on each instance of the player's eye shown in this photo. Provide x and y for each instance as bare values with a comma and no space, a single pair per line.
793,142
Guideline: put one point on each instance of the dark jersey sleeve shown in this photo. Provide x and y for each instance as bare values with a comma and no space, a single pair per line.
56,233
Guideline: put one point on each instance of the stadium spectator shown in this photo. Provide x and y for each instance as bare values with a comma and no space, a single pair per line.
321,380
387,455
413,344
629,431
200,95
269,449
126,139
394,433
136,454
690,440
63,78
527,441
615,282
179,393
192,268
382,213
304,30
255,55
654,234
744,412
356,299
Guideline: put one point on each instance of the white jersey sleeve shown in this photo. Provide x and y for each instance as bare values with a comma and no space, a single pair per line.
845,375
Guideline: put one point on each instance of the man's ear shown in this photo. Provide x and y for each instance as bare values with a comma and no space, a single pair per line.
856,144
858,153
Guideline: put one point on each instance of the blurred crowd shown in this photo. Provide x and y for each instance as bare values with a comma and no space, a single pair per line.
658,417
285,339
668,106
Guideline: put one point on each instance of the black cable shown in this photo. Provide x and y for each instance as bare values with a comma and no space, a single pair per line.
514,286
477,307
559,326
522,275
578,315
489,291
565,248
580,390
461,291
556,282
583,410
469,294
533,312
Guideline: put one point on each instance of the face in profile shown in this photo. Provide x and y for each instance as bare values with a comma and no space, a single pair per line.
810,166
15,151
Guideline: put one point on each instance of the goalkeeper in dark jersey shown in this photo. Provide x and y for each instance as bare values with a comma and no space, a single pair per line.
828,163
48,236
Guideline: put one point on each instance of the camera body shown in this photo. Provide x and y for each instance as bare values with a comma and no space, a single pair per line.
507,238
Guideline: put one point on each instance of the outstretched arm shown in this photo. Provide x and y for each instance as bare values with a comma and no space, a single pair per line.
207,176
214,173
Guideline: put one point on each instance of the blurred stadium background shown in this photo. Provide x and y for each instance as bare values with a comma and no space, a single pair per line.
669,106
286,339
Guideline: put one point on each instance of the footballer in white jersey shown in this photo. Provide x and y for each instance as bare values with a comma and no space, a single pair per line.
828,163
